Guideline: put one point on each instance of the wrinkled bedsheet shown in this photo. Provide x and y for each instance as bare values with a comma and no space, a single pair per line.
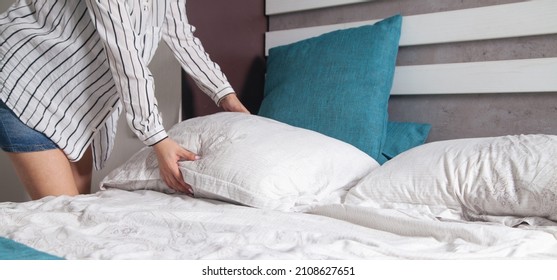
117,224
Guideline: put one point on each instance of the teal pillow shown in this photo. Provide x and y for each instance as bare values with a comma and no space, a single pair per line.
337,84
12,250
402,136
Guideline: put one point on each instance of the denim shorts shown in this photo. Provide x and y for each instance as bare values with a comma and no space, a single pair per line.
16,137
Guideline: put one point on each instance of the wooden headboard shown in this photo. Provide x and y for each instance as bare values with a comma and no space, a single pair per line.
474,91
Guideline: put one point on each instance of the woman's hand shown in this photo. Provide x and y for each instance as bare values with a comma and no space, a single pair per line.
231,103
169,153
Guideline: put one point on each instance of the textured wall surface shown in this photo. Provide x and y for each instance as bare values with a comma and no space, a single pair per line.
232,33
453,116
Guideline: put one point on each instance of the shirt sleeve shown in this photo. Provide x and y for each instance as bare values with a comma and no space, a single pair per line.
178,35
132,77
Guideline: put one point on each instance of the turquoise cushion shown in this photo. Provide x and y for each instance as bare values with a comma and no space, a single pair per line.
402,136
12,250
337,84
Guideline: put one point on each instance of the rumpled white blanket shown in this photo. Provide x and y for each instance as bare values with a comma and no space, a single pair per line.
117,224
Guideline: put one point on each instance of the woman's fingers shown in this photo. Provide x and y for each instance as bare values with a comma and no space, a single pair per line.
186,155
176,180
169,153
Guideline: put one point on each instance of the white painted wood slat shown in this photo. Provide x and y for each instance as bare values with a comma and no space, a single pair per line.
273,7
537,17
507,76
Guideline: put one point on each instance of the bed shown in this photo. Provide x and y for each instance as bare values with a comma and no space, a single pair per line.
321,172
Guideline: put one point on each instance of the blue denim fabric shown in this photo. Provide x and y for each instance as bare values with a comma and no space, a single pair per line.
16,137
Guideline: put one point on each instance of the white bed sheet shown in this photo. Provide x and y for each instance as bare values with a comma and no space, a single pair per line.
117,224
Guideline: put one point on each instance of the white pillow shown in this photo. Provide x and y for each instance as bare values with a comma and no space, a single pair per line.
474,178
251,160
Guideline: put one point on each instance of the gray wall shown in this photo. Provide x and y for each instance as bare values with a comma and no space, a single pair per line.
454,116
242,25
167,78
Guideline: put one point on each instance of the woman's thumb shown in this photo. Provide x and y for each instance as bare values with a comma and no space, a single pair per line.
187,155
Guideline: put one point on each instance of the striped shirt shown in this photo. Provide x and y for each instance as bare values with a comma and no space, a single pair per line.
68,68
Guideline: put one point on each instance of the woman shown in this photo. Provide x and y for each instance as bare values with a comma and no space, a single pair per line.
67,70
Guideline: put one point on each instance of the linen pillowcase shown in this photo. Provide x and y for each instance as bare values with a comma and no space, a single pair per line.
402,136
253,161
337,84
473,178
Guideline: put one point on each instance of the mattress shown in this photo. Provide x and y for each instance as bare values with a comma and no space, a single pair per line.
118,224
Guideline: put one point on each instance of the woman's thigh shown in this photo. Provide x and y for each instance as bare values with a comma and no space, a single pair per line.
44,173
40,165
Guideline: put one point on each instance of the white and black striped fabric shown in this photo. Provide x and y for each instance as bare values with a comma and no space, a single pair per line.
69,67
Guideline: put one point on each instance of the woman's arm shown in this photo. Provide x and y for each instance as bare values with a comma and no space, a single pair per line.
132,77
136,86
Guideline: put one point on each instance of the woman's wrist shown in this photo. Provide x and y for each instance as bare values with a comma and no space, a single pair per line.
231,103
